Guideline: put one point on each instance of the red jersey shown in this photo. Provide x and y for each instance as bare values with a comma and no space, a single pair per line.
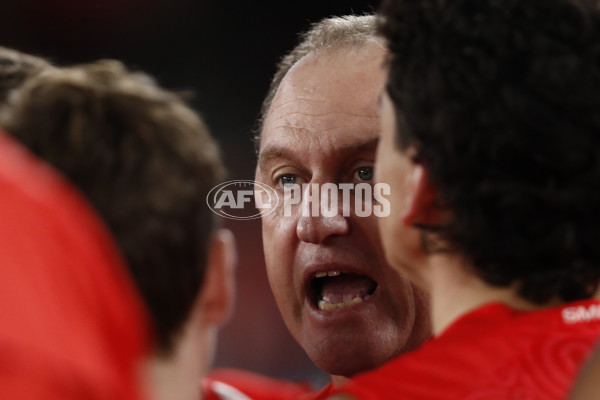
492,353
71,324
322,394
231,384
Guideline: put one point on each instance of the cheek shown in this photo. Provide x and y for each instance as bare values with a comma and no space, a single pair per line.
386,175
383,170
278,244
370,238
387,239
390,227
403,296
369,225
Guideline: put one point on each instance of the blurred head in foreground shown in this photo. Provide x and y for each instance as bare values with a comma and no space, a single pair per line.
497,126
145,161
489,143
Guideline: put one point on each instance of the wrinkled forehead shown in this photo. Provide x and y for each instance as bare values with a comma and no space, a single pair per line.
318,152
327,99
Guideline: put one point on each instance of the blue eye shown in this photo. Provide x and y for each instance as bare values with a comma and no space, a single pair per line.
287,179
364,173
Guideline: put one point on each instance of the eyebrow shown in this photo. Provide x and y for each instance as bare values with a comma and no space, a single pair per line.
279,152
274,153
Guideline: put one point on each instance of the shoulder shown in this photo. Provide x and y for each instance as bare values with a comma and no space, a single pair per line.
458,359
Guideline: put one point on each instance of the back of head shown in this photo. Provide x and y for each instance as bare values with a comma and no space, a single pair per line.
144,160
500,99
15,69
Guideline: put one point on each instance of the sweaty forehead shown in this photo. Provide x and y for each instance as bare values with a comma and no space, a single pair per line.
328,99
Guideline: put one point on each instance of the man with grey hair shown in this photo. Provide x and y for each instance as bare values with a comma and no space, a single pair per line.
340,299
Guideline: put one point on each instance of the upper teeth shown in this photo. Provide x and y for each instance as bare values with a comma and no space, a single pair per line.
328,273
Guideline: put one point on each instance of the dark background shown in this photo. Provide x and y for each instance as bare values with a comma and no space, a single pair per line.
225,52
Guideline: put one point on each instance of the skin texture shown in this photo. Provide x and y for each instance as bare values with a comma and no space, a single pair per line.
323,127
400,240
175,376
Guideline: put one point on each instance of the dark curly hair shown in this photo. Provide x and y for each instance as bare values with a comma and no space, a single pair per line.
501,98
144,160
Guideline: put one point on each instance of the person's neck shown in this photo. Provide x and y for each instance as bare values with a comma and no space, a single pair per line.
176,376
455,290
338,380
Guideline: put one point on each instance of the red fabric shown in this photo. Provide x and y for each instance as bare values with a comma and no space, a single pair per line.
493,353
322,394
71,324
256,387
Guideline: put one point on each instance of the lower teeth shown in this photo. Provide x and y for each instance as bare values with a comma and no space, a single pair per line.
323,305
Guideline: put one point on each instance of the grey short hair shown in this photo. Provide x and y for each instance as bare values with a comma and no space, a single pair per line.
334,32
15,69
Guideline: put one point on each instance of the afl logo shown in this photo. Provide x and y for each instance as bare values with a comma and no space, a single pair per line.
242,199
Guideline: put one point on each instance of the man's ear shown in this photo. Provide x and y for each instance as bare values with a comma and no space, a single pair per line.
218,289
421,207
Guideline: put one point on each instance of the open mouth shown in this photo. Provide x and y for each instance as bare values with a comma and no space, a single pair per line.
333,290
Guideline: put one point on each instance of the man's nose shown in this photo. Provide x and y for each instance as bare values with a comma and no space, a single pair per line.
313,226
